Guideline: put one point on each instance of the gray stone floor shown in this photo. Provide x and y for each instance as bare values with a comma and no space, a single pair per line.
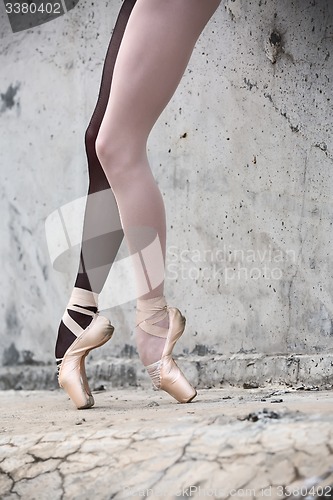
253,443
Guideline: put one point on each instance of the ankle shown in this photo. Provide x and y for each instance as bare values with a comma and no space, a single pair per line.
151,328
79,312
152,316
83,298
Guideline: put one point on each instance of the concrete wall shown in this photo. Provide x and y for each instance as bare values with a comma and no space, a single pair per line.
243,156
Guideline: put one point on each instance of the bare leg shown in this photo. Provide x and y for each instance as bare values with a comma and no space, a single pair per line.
156,47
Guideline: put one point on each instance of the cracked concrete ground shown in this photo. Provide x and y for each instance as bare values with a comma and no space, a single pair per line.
273,442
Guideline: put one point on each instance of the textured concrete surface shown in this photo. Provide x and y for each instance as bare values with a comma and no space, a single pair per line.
203,371
243,156
272,443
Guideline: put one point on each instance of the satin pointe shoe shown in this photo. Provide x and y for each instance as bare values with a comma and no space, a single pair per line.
165,373
72,373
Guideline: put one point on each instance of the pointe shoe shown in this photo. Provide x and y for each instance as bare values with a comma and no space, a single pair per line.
72,374
165,373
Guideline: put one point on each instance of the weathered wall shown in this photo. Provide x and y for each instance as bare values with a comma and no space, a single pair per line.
243,156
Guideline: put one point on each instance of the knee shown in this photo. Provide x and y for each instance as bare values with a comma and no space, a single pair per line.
109,156
118,160
105,150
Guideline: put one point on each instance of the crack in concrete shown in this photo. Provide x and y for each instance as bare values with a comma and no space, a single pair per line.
218,447
62,485
294,128
249,85
28,480
63,461
179,460
40,459
8,475
323,147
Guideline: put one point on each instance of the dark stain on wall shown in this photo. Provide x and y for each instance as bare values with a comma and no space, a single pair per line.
10,356
275,38
9,98
12,322
274,46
